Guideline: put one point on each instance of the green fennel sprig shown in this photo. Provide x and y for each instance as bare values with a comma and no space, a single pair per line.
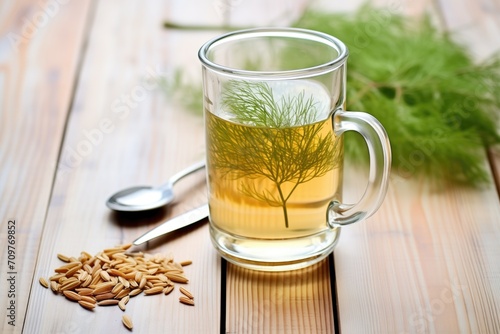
276,142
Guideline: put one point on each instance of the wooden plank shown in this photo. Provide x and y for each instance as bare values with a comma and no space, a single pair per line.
263,302
122,132
425,263
236,13
297,301
475,24
478,25
283,303
40,46
410,8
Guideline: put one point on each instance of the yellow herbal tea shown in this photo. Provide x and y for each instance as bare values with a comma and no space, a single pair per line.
272,175
259,204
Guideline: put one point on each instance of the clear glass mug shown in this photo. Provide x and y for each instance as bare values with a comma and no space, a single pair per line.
274,117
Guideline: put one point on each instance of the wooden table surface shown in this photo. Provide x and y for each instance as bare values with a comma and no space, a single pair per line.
83,114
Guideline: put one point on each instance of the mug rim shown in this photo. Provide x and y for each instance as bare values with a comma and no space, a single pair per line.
313,35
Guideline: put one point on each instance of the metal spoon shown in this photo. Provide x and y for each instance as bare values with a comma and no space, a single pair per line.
143,198
178,222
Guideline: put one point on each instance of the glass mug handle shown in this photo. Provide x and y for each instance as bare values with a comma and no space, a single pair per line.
379,150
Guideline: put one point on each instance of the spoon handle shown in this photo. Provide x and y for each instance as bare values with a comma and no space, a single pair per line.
185,219
185,172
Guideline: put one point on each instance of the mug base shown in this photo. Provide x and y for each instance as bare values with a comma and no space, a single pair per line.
274,255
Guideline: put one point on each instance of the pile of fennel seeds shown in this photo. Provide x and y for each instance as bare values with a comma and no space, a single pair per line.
113,276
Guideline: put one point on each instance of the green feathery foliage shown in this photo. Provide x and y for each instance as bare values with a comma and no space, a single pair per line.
439,107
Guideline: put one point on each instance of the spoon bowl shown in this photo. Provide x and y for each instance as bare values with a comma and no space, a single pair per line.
142,198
